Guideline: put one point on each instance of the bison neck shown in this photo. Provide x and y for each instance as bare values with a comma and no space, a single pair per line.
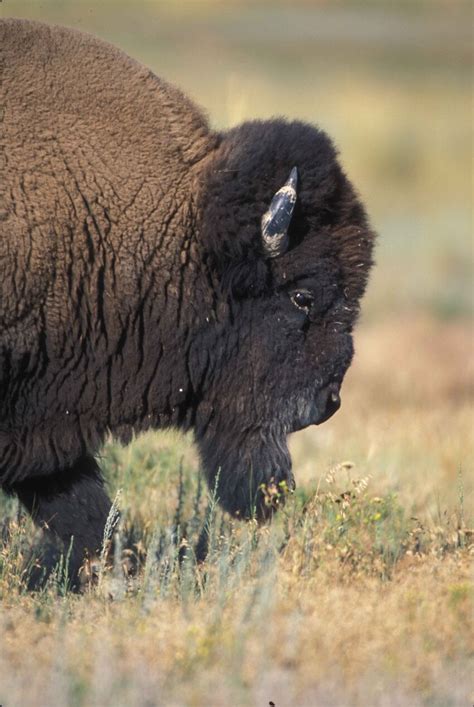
100,278
130,328
109,348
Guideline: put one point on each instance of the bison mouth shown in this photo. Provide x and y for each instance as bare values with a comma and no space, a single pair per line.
317,410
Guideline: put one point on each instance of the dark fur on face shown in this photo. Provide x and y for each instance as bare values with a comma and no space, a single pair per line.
277,362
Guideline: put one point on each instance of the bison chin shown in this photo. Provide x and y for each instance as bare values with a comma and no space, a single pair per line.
251,472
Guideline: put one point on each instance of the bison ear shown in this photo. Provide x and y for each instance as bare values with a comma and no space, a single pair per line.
276,221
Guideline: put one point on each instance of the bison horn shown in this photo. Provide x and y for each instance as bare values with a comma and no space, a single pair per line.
276,221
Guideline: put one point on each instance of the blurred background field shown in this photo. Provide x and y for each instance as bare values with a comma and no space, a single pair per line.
391,82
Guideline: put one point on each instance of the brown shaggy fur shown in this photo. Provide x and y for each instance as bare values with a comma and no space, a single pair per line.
134,289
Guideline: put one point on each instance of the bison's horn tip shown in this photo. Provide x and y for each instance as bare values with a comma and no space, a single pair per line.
276,221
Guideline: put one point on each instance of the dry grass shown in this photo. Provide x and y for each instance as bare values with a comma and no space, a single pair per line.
359,594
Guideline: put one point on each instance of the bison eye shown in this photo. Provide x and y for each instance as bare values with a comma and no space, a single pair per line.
302,299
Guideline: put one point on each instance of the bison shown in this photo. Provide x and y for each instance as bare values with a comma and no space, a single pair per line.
156,273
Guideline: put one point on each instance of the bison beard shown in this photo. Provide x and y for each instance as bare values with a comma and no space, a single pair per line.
240,468
155,273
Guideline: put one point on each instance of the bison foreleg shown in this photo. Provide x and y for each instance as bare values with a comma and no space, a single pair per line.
72,506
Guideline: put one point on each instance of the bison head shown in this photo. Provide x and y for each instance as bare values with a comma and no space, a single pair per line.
288,251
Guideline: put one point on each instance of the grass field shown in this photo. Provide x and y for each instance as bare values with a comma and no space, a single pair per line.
360,592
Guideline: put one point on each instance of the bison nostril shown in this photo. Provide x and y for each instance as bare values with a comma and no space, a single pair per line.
333,401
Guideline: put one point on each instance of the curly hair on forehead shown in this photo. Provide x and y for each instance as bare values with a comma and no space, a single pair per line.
242,174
